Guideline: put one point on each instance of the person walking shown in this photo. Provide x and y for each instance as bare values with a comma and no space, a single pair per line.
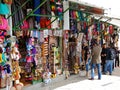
117,62
110,56
96,60
86,57
103,56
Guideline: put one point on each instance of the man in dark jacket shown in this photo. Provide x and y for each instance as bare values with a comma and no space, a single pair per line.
110,56
103,56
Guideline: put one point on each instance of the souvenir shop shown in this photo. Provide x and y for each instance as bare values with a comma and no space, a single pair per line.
41,34
42,37
84,28
35,43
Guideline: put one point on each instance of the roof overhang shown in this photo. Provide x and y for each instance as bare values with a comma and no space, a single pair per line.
108,19
86,7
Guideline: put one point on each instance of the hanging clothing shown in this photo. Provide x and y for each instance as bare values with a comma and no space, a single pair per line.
4,9
36,4
18,16
55,23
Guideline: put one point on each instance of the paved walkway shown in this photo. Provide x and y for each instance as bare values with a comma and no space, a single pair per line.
79,82
106,83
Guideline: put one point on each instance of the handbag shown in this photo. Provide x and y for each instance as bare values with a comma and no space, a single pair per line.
4,9
3,23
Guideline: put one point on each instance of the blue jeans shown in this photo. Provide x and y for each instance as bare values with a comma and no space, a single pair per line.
88,65
109,66
98,68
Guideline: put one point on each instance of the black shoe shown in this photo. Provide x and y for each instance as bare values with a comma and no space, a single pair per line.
110,74
99,78
104,73
91,78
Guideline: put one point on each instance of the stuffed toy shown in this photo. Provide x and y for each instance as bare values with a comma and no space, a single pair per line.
16,70
15,55
13,40
67,73
76,68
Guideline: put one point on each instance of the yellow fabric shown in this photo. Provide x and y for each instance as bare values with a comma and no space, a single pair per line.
0,58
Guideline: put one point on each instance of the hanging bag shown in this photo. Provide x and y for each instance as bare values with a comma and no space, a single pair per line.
4,9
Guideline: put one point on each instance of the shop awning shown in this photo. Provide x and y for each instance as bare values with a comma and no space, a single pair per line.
95,11
108,19
86,7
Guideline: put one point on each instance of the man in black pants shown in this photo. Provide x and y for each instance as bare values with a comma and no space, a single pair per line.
103,56
117,57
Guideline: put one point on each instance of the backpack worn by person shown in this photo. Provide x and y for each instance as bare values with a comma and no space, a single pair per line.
112,54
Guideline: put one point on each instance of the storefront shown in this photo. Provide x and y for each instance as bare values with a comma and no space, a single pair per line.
47,34
84,27
36,37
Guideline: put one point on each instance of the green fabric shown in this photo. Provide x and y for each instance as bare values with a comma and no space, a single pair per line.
4,60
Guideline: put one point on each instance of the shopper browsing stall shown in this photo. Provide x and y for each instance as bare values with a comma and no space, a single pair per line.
96,60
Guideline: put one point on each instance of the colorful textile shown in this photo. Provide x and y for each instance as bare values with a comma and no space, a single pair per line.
4,9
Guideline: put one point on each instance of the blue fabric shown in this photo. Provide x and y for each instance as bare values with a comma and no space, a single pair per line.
36,4
35,34
98,68
4,9
109,66
88,65
81,16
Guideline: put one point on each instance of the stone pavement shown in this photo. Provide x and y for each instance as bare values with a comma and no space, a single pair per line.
61,81
107,82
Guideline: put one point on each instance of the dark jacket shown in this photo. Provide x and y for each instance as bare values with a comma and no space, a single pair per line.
103,54
110,55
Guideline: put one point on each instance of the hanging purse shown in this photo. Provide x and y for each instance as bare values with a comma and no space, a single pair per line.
4,9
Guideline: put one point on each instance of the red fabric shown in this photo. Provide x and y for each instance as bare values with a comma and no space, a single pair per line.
29,58
110,29
45,23
1,39
48,24
25,25
3,24
42,23
85,24
25,28
8,1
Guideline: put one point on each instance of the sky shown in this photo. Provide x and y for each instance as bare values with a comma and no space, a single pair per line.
111,6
